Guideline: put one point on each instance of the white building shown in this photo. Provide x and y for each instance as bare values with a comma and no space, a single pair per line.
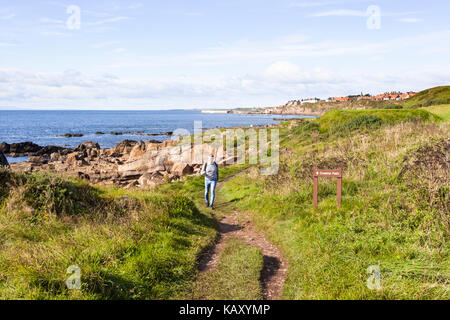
311,100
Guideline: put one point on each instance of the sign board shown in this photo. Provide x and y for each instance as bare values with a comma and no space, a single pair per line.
327,174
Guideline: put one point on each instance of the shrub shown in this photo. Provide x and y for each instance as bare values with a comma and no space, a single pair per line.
363,121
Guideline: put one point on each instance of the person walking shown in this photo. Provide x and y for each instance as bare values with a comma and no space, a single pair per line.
211,172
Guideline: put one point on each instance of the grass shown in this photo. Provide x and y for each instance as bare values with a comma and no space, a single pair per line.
235,278
394,211
349,120
429,97
442,111
134,246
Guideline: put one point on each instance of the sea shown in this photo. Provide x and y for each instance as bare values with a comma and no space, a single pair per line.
45,127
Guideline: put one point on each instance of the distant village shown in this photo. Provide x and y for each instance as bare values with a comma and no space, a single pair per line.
395,96
379,97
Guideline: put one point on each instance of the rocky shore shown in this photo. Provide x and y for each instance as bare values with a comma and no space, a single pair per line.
129,164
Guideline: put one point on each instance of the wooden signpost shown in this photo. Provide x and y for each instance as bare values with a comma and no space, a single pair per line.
327,174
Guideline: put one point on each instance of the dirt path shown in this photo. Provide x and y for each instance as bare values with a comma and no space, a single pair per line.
237,225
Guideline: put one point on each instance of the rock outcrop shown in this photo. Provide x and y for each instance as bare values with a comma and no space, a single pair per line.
3,160
129,164
27,149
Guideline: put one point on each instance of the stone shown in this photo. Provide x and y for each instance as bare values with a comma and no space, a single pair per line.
87,146
4,147
130,175
55,156
48,150
149,180
124,147
21,149
139,165
181,169
71,135
3,161
157,168
138,151
38,160
84,176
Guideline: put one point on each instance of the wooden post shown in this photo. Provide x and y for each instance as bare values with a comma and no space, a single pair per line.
315,188
339,189
327,174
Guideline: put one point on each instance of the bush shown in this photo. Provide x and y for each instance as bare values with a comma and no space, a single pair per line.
305,128
363,121
53,194
336,121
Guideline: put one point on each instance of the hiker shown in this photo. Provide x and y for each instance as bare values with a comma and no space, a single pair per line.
211,171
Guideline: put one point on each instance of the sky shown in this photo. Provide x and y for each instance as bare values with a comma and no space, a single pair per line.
174,54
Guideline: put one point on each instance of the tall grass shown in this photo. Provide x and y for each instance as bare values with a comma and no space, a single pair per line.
133,246
386,219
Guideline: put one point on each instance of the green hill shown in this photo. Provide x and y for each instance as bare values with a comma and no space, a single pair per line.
429,97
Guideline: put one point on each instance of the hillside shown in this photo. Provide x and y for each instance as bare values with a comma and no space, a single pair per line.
429,97
426,98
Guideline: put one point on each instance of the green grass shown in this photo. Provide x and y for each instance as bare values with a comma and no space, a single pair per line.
429,97
235,278
442,111
128,246
350,120
397,221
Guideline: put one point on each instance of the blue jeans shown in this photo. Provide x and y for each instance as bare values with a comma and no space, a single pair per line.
210,184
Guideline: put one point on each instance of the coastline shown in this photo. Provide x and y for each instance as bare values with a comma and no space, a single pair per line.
129,164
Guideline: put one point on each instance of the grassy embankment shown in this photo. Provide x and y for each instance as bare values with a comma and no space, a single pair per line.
430,97
128,245
394,209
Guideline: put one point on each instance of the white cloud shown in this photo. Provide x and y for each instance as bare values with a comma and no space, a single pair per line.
51,21
105,21
275,84
410,20
340,13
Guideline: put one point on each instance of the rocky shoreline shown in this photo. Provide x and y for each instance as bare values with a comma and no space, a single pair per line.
129,164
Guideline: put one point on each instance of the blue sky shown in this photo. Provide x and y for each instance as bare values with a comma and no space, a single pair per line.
195,54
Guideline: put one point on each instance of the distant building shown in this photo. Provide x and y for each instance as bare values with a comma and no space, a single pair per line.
216,111
338,99
311,100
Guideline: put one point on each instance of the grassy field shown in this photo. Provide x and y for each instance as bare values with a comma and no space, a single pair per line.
128,245
442,111
394,212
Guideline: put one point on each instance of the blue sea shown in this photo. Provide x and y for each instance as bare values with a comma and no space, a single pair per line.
45,127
